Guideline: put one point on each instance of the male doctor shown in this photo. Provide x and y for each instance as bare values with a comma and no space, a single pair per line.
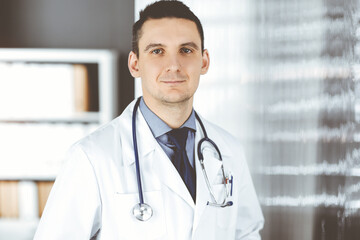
96,194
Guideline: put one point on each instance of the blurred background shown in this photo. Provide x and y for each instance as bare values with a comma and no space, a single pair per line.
284,78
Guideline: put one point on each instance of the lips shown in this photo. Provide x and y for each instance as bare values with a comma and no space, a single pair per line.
173,78
173,81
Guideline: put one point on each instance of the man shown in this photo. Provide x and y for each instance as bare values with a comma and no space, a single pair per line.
98,193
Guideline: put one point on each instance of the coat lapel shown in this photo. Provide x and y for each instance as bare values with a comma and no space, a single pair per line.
169,176
151,154
212,168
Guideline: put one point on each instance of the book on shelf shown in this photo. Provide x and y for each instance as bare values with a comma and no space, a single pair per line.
9,199
44,188
81,88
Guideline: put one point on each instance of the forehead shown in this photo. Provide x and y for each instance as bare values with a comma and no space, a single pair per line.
169,30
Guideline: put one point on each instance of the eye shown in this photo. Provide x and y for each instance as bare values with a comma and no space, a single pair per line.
157,51
186,50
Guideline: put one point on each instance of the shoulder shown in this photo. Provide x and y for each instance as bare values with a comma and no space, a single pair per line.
107,137
230,147
216,129
221,136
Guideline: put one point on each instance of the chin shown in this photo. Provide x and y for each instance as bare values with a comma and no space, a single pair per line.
176,99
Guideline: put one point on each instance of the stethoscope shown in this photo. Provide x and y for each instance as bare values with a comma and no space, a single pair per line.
143,211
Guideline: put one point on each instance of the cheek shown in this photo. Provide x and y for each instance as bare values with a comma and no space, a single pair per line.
149,70
194,69
193,64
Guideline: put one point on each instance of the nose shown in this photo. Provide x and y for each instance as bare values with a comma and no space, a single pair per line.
173,64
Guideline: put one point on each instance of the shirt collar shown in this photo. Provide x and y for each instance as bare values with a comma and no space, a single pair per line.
159,127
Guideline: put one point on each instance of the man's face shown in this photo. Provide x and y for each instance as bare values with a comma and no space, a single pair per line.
170,60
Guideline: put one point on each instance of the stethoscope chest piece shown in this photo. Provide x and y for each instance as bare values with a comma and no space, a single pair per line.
142,211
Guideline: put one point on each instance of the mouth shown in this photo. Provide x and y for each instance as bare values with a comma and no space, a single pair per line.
173,81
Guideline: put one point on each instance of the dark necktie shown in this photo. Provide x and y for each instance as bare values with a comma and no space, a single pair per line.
180,159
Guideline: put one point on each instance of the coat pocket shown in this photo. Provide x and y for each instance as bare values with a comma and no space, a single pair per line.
132,228
225,217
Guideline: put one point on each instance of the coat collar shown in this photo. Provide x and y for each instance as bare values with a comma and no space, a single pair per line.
144,135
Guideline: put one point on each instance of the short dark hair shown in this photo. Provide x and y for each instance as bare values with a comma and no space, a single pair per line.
164,9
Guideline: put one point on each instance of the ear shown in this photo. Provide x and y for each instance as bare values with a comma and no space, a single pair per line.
133,65
205,62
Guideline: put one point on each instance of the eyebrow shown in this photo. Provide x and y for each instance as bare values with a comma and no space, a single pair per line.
190,44
154,45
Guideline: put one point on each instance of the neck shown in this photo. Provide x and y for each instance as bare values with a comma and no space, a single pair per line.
173,114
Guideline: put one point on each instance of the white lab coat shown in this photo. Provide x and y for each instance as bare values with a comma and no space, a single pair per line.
94,194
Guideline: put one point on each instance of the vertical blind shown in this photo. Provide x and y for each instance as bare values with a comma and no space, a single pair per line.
284,78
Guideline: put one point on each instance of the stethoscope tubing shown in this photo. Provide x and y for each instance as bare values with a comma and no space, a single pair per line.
137,165
205,139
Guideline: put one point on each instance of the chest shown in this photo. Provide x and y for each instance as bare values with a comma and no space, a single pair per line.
173,217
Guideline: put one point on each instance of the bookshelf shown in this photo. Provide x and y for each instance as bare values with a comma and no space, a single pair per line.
49,99
25,123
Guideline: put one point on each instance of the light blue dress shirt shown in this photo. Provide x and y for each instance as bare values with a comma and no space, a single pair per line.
159,129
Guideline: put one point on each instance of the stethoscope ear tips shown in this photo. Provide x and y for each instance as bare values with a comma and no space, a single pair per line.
229,203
